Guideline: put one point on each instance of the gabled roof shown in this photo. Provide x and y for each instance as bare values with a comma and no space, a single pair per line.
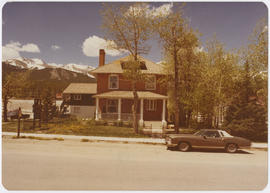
81,88
129,95
115,66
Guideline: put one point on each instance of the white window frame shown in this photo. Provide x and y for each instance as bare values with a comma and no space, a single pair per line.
116,105
77,97
151,105
148,82
109,80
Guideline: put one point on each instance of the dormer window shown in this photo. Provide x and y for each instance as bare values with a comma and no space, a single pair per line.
113,81
124,65
150,83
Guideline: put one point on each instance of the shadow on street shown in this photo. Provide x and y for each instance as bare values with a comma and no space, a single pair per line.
201,150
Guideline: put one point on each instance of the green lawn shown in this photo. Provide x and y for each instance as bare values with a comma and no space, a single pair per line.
72,127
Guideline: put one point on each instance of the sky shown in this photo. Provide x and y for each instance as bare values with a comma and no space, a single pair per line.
67,32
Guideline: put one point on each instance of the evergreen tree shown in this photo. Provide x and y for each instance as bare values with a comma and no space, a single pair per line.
246,116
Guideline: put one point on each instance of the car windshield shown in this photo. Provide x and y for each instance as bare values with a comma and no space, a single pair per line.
199,133
225,134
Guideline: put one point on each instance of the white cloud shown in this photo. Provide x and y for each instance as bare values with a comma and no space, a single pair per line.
55,47
91,46
13,49
30,48
13,45
162,10
9,53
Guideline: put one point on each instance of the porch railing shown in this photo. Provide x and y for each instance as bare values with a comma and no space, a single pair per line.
114,116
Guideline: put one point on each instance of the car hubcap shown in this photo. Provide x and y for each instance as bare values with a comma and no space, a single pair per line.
183,146
232,148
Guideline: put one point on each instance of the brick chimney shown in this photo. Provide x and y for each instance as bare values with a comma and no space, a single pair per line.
101,57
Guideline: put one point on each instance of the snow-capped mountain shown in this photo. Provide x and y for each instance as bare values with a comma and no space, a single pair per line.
35,63
27,63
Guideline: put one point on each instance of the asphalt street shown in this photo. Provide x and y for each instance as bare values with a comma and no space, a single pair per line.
73,165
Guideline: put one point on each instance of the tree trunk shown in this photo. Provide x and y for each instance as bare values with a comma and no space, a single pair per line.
134,109
176,98
19,126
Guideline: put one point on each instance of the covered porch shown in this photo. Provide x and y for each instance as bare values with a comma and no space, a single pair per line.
117,106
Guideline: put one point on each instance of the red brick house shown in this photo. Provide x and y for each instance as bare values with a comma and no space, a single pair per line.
114,98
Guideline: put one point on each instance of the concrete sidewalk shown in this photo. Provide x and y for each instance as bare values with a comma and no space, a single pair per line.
114,139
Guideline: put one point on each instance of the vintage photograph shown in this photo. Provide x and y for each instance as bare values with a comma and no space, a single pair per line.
135,96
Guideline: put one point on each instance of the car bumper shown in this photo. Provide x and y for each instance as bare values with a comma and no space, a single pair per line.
244,147
169,144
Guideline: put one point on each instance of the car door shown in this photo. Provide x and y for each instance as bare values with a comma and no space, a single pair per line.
213,139
200,140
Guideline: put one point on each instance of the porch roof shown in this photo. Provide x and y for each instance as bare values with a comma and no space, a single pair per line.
129,95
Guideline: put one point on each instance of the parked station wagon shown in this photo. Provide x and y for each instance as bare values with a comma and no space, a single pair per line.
208,138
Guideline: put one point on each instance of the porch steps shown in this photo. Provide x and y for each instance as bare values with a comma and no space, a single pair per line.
153,126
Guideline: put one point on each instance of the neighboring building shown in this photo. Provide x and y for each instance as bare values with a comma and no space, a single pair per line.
114,98
79,96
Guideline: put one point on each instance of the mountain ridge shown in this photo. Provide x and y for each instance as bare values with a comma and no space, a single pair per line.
56,79
35,63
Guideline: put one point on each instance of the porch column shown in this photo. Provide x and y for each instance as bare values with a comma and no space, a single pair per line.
97,106
164,123
119,109
141,114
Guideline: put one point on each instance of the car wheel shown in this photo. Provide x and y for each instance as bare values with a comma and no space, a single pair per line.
183,146
231,148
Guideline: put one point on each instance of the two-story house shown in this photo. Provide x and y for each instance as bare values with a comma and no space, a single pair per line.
79,97
114,98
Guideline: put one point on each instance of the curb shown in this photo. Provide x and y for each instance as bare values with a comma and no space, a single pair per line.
147,141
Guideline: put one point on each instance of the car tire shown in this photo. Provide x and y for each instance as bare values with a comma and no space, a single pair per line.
231,148
184,146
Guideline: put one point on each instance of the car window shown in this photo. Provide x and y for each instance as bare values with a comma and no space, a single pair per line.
226,134
222,134
211,134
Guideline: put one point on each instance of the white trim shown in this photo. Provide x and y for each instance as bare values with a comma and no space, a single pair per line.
97,106
119,109
164,122
109,85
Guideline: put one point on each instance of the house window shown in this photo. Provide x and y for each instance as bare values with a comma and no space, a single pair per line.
113,82
77,109
77,97
112,106
150,83
151,105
